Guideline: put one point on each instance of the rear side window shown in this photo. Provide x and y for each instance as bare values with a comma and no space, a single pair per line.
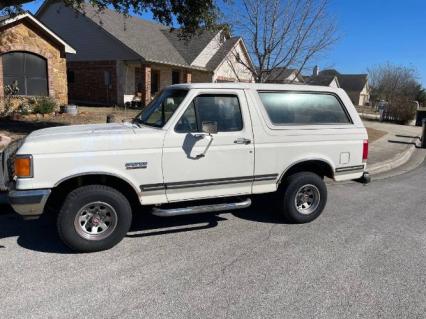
223,109
293,108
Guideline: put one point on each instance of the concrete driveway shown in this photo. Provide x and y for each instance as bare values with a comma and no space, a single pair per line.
364,257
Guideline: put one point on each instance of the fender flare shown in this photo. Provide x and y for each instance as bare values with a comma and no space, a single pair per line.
99,173
308,159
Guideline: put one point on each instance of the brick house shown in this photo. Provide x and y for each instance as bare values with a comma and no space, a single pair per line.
33,57
122,59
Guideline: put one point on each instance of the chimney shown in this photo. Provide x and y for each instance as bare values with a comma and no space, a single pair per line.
316,71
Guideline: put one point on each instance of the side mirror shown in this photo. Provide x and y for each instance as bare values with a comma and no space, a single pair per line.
209,127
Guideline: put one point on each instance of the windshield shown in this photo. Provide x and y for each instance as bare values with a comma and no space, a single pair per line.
159,111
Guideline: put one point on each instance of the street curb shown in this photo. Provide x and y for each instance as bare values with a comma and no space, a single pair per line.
396,161
369,117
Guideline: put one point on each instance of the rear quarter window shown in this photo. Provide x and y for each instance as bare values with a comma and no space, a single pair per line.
303,108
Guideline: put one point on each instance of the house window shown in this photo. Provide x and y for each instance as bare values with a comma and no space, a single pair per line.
175,77
28,70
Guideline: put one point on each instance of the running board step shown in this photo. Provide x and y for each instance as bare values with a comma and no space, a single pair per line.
168,212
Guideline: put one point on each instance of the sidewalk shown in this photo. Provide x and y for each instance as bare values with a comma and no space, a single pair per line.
393,149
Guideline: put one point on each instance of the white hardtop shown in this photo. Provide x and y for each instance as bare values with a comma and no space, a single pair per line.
258,86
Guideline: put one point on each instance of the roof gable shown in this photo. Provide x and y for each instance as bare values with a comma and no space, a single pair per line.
150,41
145,38
190,48
320,79
353,82
5,20
222,53
281,74
153,42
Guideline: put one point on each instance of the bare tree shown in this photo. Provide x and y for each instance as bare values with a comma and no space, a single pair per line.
282,34
398,87
388,81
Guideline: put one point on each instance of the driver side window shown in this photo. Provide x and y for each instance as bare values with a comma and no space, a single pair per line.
223,109
188,121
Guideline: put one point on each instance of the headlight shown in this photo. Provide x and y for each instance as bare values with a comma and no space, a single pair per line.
24,166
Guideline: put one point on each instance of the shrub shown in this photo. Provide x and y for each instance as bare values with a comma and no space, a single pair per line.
25,109
6,104
402,110
45,105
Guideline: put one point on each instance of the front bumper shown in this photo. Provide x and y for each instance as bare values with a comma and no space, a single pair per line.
29,203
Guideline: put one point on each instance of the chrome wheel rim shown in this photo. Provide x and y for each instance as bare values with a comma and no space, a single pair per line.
95,221
307,199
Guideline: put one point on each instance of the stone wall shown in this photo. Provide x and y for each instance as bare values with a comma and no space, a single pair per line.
23,36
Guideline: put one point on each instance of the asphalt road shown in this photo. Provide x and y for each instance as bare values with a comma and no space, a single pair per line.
364,257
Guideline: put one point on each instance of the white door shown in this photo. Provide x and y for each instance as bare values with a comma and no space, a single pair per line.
198,165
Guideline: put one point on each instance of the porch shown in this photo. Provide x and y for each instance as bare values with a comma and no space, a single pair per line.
139,83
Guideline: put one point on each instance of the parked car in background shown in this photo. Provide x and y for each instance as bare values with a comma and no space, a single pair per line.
196,148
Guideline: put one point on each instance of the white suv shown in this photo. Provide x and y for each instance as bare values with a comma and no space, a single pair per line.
196,148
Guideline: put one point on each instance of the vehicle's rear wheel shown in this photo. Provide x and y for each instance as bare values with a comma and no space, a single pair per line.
94,218
302,197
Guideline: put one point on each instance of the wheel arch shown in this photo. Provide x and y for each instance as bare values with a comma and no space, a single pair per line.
64,186
318,166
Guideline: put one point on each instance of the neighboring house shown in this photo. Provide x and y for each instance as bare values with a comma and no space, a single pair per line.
355,85
330,80
323,80
33,57
284,75
121,59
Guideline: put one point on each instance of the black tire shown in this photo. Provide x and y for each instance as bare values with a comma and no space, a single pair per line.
308,183
106,206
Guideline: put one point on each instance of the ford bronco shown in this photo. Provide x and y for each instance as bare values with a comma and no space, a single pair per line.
195,148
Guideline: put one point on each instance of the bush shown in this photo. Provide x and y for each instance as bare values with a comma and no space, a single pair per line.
25,109
401,110
45,105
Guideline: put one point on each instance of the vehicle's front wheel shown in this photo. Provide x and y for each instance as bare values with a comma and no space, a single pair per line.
94,218
303,197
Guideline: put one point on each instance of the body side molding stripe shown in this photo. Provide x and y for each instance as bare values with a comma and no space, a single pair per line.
208,182
349,168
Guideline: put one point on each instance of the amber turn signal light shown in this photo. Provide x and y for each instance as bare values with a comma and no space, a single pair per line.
23,166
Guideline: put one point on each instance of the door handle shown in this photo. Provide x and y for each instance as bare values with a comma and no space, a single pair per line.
242,140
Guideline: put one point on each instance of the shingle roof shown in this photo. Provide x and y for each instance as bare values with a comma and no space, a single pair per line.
348,82
154,42
222,53
280,74
329,72
352,82
321,79
190,48
2,18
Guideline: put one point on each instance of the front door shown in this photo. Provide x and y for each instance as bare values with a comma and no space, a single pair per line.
198,165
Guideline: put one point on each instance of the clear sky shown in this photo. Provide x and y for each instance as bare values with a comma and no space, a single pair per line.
372,32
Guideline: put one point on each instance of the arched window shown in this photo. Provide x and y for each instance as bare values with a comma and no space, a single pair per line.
29,70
